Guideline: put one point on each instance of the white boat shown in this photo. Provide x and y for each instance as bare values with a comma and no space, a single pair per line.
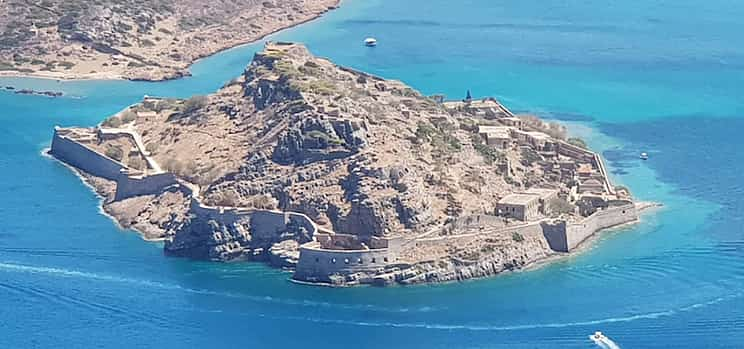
644,156
598,336
370,42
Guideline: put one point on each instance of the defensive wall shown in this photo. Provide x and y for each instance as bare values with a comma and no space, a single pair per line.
84,158
562,236
317,264
130,186
265,224
565,236
77,154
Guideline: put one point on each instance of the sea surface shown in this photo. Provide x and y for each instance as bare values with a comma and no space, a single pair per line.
663,77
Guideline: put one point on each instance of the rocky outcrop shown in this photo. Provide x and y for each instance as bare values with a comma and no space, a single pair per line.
204,237
225,235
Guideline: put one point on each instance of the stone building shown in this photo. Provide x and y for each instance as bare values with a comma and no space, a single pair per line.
522,206
545,197
527,206
496,136
591,185
512,122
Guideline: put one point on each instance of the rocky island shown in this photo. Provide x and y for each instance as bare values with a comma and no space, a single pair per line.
133,39
344,177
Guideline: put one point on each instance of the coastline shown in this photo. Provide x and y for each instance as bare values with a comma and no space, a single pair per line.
113,76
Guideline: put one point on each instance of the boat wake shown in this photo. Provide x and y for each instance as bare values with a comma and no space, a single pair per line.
59,272
368,307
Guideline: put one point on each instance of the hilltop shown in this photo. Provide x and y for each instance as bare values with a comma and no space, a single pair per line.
139,40
345,177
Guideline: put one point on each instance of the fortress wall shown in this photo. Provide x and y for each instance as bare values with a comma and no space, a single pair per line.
84,158
532,230
265,224
443,241
477,221
575,152
555,233
610,217
127,187
318,264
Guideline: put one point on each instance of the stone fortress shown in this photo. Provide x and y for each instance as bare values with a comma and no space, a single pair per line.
345,178
342,259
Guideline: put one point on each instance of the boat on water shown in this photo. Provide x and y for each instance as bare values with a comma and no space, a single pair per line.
370,42
598,336
644,156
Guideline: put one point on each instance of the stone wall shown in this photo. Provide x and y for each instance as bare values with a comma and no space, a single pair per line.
264,224
602,219
84,158
127,187
572,151
318,265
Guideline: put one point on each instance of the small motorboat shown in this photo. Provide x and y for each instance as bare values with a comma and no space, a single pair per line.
370,42
644,156
598,336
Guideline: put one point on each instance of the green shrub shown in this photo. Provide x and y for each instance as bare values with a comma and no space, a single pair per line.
115,152
6,66
577,142
561,206
529,156
151,148
517,237
489,154
228,199
112,122
195,103
66,65
128,116
425,132
137,163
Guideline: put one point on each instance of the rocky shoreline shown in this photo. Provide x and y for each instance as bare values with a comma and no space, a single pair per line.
149,46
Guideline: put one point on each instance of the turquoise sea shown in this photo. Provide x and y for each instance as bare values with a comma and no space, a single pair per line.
661,76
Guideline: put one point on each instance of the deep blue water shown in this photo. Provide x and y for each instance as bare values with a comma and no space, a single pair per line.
658,76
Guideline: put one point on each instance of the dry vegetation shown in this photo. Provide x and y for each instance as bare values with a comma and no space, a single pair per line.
132,38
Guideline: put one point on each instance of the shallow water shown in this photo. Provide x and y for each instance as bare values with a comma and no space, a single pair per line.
628,77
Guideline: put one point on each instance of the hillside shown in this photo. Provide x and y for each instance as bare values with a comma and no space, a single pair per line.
149,40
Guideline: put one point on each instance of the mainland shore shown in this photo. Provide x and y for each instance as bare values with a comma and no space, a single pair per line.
164,51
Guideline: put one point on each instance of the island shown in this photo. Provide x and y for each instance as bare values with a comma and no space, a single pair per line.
346,178
132,39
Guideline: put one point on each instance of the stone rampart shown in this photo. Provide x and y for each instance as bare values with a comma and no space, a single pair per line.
318,265
574,152
612,216
81,157
265,224
127,187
